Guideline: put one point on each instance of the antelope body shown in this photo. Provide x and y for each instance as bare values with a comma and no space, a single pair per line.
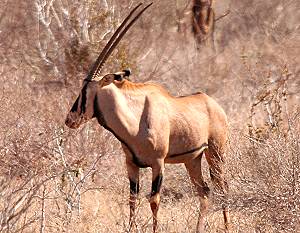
203,20
155,128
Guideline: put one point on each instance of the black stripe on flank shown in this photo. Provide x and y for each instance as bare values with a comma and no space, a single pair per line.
191,151
134,187
156,184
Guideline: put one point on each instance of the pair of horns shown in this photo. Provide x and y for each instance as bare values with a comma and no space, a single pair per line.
114,41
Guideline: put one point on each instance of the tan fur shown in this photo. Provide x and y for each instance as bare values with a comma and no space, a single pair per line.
188,121
203,20
155,127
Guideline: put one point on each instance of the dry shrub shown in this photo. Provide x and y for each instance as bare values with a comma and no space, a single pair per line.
265,182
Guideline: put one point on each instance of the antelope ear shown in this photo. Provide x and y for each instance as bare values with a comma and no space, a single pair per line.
106,80
119,76
127,72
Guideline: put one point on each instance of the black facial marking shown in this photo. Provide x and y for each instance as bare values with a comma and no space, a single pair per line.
156,185
134,187
191,151
83,98
75,105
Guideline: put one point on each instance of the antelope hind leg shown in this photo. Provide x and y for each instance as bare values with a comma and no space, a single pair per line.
216,167
194,169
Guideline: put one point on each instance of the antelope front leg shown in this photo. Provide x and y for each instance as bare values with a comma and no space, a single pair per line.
157,177
133,175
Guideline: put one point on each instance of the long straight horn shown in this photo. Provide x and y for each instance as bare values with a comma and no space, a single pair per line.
95,68
113,42
122,35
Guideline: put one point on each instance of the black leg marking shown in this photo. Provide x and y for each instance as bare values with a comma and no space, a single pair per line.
206,189
134,187
156,185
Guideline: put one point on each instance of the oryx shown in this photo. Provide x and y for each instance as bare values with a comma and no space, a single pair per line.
155,128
